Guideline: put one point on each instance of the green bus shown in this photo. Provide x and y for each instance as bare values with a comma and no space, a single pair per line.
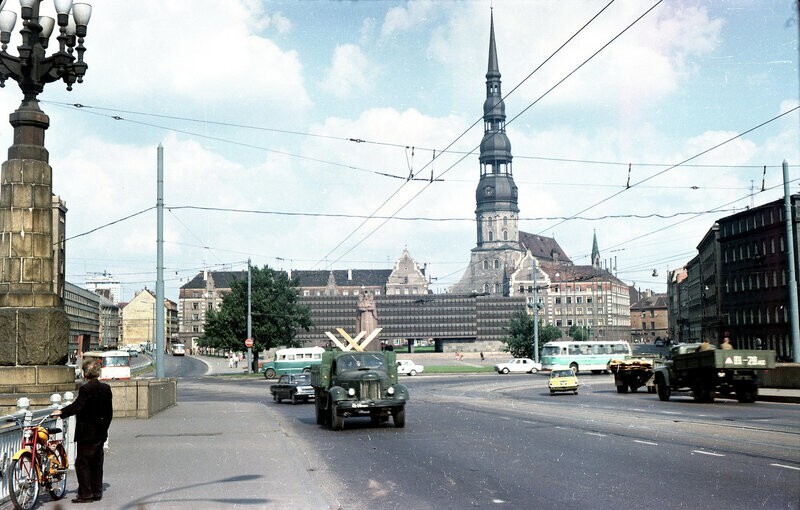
589,355
292,361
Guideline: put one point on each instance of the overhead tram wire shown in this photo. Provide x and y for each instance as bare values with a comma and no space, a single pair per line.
676,165
548,91
463,133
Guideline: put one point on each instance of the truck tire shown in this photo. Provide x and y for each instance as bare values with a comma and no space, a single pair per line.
269,373
664,392
320,411
337,422
399,417
746,393
623,388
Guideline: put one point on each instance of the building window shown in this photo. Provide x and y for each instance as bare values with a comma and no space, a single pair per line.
496,264
486,264
505,235
491,235
195,306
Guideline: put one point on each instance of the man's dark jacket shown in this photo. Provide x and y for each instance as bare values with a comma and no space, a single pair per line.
93,412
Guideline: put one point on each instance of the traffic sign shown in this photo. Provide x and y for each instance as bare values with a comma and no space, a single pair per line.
248,342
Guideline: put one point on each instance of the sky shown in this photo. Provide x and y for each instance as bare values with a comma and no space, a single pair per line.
290,129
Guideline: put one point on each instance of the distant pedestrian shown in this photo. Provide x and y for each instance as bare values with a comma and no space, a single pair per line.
726,343
93,411
482,358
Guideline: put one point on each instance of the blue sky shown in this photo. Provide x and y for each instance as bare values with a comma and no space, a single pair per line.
255,101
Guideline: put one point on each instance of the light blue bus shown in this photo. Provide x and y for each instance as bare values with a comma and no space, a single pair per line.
589,355
292,361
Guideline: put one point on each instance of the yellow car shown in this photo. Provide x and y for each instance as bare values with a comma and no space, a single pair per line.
563,379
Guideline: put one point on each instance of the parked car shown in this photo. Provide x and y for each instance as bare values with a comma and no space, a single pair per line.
563,379
134,352
294,387
518,365
408,367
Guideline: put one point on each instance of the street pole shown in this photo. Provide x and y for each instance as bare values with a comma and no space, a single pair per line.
794,324
535,316
160,323
249,319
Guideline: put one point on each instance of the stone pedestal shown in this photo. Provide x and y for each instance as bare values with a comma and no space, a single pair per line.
35,382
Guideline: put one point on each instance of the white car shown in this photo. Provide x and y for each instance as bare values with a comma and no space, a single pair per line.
518,365
408,367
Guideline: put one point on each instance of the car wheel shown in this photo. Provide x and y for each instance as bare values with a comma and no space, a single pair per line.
274,397
533,371
270,373
278,398
505,370
412,373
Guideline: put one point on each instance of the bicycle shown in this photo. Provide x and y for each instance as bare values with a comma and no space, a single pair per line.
41,461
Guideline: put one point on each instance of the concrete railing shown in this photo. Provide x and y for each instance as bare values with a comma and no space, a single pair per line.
142,398
785,375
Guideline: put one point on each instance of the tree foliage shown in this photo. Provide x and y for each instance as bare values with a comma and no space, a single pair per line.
520,340
276,313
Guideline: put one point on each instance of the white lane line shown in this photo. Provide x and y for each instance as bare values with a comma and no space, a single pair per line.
645,442
595,434
786,467
708,453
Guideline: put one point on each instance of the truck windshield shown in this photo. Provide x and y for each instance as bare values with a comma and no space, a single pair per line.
360,361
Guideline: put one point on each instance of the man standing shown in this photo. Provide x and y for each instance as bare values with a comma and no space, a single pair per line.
93,412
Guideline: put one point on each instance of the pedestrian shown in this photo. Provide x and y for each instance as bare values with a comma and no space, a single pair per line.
481,356
726,343
93,412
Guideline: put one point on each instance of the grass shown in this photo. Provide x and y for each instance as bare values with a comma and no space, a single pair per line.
457,369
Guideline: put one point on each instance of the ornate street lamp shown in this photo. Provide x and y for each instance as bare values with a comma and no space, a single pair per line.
34,327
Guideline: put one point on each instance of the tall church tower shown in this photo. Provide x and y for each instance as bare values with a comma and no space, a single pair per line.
497,214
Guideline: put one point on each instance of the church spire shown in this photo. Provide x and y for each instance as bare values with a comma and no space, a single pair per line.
595,252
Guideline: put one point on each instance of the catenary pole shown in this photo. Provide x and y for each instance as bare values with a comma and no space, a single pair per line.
160,264
249,319
535,314
794,324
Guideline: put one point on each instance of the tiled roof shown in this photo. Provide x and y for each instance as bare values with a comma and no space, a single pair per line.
365,277
654,301
572,273
222,279
543,248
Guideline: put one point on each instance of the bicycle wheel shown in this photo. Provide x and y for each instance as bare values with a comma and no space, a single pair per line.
23,485
56,479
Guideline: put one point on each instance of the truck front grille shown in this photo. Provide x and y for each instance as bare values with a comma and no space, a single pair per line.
370,390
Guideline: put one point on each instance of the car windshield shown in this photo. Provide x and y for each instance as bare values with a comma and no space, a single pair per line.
359,361
562,373
302,379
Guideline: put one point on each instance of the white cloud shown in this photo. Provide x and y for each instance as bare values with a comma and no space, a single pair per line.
348,74
400,19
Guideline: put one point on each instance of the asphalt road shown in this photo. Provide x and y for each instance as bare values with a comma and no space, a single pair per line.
503,441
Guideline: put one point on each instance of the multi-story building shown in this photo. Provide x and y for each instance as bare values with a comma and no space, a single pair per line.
106,285
650,318
738,283
139,319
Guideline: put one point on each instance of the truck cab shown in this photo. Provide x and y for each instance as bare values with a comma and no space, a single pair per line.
358,383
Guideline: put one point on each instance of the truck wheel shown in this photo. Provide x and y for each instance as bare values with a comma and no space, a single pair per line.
320,411
746,394
399,417
622,388
269,373
337,422
633,388
663,391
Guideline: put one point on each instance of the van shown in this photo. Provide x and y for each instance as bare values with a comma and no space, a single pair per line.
114,365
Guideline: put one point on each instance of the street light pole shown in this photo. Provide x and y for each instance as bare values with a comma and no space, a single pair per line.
535,315
249,319
27,182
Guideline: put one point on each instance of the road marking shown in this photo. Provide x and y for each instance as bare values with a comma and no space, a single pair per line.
595,434
645,442
708,453
786,467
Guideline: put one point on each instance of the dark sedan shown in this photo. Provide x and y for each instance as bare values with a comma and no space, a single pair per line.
294,387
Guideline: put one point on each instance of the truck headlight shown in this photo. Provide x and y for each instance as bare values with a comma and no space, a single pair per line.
351,392
390,391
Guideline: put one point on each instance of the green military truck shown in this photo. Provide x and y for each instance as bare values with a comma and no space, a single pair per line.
711,372
353,383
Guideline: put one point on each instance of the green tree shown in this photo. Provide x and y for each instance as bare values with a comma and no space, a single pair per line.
580,333
277,315
520,340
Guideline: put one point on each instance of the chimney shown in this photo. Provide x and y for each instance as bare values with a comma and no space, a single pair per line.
350,275
289,271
